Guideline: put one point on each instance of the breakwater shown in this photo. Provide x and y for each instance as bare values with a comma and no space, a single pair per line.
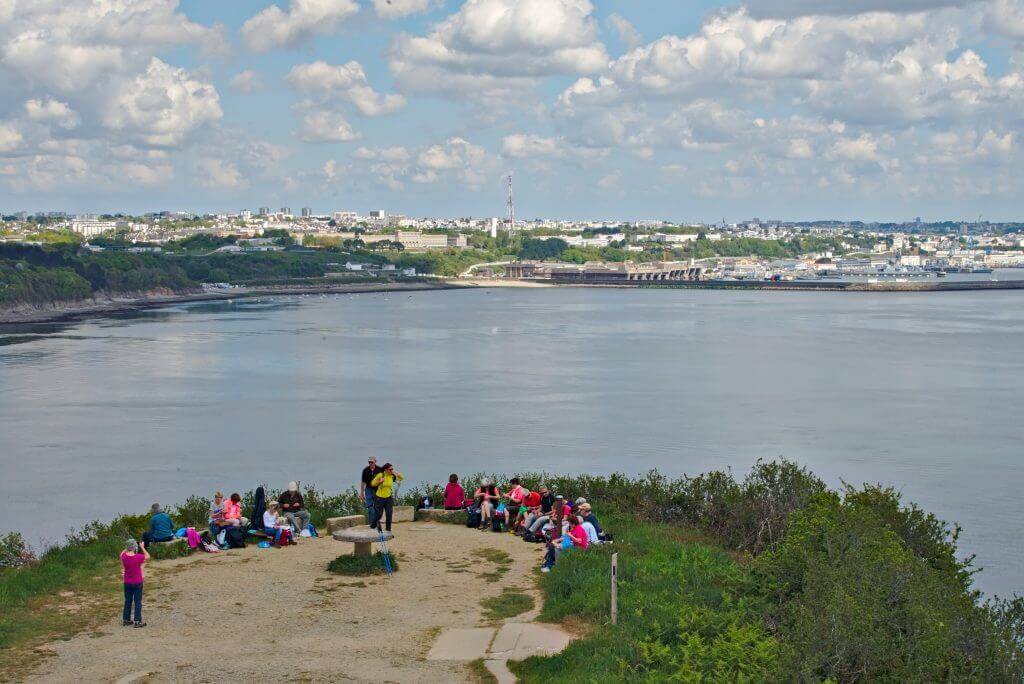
830,285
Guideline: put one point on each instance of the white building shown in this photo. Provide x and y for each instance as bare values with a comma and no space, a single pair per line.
91,227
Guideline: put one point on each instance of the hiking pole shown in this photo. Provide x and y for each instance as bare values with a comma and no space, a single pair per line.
385,553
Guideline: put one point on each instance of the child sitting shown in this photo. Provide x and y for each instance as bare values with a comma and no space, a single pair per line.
277,527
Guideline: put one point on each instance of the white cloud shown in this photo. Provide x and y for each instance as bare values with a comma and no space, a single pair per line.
162,106
397,9
10,137
320,125
610,181
1006,18
274,27
794,8
454,159
52,111
524,145
490,47
625,30
73,44
247,81
326,83
219,173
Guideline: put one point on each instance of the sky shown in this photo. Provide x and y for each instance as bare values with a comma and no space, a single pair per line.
620,109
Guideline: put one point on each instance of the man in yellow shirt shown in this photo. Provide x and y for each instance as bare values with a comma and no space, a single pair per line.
383,497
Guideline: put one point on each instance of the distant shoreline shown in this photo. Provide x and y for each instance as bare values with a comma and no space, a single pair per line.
91,308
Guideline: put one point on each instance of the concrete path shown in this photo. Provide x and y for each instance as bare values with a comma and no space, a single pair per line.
514,640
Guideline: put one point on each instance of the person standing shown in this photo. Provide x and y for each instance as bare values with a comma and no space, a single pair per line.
292,507
131,576
383,496
367,490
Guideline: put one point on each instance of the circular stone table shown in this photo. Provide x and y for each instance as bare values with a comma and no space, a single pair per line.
362,537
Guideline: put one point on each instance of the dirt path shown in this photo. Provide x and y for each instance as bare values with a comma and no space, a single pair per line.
277,614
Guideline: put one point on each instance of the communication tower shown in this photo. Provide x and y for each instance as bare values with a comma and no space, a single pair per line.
510,206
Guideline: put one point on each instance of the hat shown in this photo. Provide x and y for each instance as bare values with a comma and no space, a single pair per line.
559,496
580,501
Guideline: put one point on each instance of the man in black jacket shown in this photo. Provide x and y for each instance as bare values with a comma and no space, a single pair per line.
293,508
367,490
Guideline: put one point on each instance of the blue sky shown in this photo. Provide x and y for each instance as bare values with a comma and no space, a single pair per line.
874,109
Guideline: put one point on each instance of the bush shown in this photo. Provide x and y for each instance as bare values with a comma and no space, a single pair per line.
14,552
854,601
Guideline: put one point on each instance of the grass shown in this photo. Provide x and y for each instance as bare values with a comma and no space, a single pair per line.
360,566
509,603
480,673
680,613
501,560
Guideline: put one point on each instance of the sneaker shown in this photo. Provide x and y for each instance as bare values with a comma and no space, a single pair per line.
126,623
545,569
140,624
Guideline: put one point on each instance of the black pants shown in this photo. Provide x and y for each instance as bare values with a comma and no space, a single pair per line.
148,539
382,507
132,594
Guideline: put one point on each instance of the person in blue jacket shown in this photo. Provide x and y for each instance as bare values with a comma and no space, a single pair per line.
161,527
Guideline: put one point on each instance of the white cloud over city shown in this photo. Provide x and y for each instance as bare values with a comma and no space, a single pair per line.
886,107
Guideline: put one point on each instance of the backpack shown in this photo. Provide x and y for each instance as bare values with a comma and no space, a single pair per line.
497,524
473,519
235,538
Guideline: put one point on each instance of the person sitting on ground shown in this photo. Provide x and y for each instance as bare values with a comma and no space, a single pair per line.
588,518
293,507
161,527
453,494
488,495
233,512
533,511
557,509
131,577
547,500
573,536
383,496
592,534
216,515
276,527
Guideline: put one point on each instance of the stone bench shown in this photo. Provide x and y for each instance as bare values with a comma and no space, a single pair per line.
345,522
363,537
441,515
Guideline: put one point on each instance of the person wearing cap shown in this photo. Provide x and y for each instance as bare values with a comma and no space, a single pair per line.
367,490
383,498
293,507
161,527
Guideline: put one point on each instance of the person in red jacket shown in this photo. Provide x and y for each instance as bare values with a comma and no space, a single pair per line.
454,494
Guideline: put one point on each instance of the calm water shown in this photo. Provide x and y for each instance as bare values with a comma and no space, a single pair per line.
918,391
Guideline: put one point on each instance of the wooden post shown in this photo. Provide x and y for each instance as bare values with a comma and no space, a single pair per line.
615,588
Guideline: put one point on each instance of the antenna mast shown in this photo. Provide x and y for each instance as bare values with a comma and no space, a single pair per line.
510,206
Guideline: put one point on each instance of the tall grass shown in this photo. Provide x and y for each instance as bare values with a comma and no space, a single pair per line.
683,613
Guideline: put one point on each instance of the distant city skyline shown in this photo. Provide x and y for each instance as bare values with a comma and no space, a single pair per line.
800,109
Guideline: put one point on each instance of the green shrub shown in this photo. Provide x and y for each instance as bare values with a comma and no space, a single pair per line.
14,552
169,550
854,601
360,566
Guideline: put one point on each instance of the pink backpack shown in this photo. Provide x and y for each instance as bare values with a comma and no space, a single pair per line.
193,538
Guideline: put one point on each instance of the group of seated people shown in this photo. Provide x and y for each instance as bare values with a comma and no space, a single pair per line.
281,521
540,516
